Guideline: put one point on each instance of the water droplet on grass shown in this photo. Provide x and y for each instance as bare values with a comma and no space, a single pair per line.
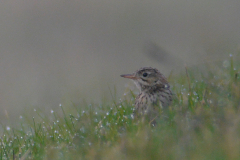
82,129
132,116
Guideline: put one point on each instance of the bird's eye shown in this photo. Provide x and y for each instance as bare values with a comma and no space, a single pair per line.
145,74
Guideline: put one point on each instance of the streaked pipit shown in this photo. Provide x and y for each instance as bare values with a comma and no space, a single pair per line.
155,92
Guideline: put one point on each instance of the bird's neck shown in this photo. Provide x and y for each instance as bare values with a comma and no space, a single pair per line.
152,89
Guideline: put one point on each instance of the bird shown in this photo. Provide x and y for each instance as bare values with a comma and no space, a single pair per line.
155,93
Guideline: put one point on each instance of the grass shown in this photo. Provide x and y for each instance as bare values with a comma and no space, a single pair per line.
202,123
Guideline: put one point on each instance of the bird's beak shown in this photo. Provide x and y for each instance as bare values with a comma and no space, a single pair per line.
130,76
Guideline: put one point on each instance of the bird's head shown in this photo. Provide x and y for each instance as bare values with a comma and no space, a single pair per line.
147,77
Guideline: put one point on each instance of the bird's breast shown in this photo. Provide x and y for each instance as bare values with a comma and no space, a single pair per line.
144,101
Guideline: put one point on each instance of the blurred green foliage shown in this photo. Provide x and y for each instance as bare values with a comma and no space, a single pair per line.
203,122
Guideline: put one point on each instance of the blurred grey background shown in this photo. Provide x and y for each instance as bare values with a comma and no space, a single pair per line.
61,51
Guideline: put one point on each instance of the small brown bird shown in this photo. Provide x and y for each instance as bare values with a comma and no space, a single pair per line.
155,92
